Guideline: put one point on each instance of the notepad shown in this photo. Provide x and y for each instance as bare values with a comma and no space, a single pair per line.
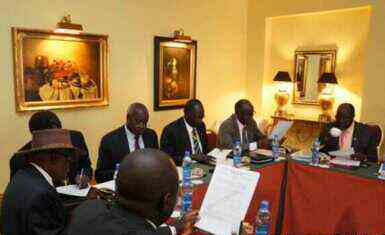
227,199
73,190
341,161
219,155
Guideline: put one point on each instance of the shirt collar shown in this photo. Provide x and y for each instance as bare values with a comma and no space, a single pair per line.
129,133
188,127
44,173
241,126
350,128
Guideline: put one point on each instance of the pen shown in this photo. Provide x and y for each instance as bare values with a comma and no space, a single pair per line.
81,177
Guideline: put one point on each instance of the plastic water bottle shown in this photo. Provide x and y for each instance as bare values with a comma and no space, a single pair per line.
186,183
237,152
275,147
117,166
315,152
263,219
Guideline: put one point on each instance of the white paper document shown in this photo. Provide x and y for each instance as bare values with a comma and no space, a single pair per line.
264,152
340,153
108,185
344,162
227,199
73,190
281,129
219,155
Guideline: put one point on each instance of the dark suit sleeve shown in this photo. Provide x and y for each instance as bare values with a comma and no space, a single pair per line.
46,216
371,150
84,160
154,141
167,144
105,168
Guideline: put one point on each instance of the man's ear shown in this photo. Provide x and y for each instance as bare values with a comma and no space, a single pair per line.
166,203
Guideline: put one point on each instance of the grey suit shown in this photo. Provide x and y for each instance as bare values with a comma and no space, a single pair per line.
229,133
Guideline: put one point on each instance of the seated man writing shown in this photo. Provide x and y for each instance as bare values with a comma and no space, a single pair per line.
345,134
147,186
31,204
241,127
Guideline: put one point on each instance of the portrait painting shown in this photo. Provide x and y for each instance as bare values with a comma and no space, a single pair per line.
174,71
59,70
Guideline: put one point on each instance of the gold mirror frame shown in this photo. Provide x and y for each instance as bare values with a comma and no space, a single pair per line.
300,57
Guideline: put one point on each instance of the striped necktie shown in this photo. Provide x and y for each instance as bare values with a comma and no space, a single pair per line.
195,137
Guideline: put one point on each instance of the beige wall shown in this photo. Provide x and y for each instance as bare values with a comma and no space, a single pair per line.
285,34
258,44
218,25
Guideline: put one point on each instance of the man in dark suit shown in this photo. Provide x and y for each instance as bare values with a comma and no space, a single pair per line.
31,204
147,186
127,138
241,127
345,134
187,133
48,120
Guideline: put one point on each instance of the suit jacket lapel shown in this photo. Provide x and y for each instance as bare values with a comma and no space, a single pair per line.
125,148
184,133
356,133
235,127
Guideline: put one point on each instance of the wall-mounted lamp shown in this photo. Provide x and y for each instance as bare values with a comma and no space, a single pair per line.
180,37
282,96
326,97
65,25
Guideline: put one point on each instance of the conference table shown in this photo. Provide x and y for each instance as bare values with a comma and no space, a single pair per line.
306,199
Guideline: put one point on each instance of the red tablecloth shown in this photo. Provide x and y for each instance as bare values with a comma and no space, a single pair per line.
321,201
268,188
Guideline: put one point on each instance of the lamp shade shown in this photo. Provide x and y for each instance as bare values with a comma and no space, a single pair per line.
282,76
328,78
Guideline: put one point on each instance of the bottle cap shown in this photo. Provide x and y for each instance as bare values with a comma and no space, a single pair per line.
264,205
187,153
117,166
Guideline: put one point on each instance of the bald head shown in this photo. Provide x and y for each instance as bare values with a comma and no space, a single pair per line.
244,111
146,176
137,118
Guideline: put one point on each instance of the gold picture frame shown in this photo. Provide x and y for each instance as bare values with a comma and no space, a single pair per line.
59,70
174,72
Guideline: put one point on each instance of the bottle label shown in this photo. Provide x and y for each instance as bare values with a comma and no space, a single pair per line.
262,230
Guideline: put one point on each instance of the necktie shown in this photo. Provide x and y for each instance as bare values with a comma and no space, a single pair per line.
245,139
197,148
137,147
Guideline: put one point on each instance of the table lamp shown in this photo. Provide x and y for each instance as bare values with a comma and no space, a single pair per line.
282,96
326,97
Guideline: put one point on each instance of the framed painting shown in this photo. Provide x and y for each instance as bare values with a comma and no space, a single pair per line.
57,70
174,72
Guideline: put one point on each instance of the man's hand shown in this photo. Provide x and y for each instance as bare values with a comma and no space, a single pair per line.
204,159
359,157
186,224
82,181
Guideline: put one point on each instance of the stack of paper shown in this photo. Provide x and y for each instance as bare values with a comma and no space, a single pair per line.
73,190
302,156
219,155
227,199
340,153
341,161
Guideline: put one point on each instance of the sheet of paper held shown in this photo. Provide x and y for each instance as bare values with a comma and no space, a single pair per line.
73,190
281,129
108,185
227,199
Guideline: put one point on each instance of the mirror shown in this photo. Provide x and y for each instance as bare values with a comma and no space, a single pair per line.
309,66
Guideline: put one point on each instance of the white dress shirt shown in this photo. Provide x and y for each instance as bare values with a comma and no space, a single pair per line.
44,173
240,127
173,230
190,133
131,140
346,139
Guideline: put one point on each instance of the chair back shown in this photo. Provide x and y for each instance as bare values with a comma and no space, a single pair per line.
377,135
212,138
